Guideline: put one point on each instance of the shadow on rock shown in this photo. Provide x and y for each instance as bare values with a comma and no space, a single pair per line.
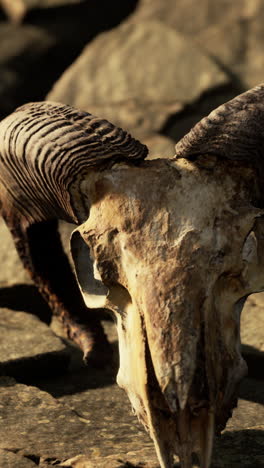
252,390
77,382
255,361
178,125
239,449
74,26
26,298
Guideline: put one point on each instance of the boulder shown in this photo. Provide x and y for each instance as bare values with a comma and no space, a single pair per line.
236,42
132,460
33,55
252,322
159,146
188,16
12,270
29,349
13,460
17,9
41,427
137,76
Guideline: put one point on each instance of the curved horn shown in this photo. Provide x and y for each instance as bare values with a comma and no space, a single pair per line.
233,131
53,145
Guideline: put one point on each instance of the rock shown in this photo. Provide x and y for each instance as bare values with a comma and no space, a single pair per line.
137,76
132,459
159,146
239,448
114,430
252,71
12,270
247,415
188,16
252,322
226,42
12,460
17,9
33,56
29,349
252,326
236,42
40,426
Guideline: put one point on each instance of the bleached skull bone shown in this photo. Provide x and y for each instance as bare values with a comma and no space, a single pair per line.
173,249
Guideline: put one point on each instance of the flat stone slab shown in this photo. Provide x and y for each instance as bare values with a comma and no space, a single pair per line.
95,428
39,426
131,460
12,460
159,146
28,347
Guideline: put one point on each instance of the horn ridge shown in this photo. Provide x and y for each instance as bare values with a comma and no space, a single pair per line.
47,147
234,130
114,139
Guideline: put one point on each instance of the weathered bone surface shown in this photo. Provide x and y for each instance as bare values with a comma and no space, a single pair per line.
174,263
172,248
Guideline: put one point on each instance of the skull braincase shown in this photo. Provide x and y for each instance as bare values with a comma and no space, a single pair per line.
172,250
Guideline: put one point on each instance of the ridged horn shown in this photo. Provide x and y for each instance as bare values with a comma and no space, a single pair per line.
234,131
51,146
104,139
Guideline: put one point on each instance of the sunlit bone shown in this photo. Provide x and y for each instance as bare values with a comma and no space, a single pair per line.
178,247
176,257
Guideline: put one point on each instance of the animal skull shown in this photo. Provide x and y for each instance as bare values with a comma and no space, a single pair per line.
173,248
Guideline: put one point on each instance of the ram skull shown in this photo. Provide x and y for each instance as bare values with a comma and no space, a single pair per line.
171,247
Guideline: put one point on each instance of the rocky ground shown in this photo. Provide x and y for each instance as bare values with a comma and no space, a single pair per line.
154,68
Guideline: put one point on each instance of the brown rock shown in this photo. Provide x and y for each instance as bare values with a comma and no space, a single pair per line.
252,322
38,425
188,16
17,9
226,41
159,146
247,415
137,76
12,270
237,42
41,426
12,460
132,459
